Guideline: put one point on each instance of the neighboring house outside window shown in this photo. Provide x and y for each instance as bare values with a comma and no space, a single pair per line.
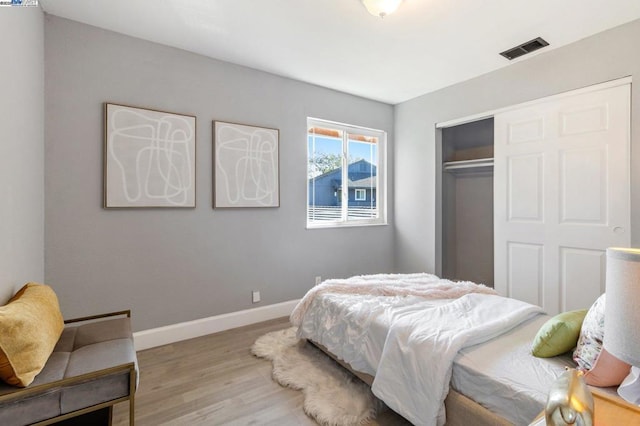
338,153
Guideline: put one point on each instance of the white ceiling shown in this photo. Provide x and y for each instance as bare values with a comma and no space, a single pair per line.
426,45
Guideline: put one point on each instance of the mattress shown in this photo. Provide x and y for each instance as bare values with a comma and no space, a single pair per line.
500,374
504,377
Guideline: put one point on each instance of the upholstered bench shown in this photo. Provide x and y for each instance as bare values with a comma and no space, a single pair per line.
92,366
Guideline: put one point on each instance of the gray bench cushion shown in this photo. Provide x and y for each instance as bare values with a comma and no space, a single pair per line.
81,349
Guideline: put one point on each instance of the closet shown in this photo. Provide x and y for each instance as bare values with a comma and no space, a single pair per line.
532,195
467,202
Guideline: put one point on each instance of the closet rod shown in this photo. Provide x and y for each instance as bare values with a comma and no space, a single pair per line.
468,164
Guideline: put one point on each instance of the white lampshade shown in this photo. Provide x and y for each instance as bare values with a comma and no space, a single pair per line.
381,8
622,307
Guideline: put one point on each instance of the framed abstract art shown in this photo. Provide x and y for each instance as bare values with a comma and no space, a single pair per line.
245,166
149,158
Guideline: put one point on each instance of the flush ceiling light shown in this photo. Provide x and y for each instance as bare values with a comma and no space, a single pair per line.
381,8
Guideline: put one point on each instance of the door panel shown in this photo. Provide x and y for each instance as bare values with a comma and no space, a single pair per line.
584,120
583,186
582,277
525,188
561,196
530,130
525,271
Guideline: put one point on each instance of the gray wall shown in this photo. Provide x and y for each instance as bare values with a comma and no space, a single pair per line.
21,148
606,56
467,222
174,265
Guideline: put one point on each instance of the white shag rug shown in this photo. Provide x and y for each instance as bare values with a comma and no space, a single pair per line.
332,396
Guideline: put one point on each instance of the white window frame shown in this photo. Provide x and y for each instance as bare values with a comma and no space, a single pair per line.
381,175
360,194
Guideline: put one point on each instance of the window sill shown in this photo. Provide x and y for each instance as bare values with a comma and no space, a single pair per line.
334,225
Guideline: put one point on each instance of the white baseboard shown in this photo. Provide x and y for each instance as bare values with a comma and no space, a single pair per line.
188,330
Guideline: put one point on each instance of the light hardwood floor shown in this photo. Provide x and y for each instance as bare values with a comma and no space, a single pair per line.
214,380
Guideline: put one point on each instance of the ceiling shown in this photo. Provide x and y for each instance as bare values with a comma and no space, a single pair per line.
426,45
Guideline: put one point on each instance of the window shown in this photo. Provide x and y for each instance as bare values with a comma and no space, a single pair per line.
338,154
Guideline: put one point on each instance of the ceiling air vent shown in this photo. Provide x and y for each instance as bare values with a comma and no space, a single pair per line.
524,48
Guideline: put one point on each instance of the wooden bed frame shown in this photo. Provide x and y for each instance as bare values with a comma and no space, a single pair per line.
461,411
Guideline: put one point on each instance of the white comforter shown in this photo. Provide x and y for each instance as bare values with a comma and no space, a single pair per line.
415,367
424,285
421,337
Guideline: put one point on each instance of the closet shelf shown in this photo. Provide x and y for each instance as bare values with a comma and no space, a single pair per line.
467,164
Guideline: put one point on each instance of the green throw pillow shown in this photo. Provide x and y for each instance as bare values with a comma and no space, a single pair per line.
559,334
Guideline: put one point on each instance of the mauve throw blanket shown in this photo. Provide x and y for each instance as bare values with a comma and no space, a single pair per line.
424,285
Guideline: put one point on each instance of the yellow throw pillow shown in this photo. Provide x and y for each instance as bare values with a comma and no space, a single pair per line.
30,325
559,334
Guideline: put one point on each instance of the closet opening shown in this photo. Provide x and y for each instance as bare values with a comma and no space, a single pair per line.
466,189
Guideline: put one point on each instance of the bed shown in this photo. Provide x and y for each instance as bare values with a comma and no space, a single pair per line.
469,347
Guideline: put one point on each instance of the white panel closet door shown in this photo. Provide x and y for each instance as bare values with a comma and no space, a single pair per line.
561,196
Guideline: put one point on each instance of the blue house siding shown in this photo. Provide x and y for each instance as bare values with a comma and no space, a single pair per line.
370,199
326,189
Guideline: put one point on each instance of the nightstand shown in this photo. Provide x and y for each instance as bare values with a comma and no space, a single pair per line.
610,410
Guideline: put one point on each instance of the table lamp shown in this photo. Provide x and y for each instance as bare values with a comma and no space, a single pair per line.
622,315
